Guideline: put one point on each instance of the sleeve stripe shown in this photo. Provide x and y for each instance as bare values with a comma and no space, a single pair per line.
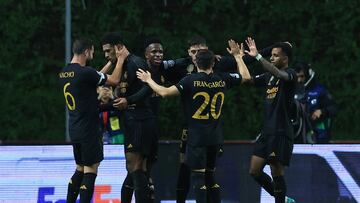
235,75
102,77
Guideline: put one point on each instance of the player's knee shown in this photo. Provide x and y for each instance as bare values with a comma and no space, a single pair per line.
130,167
275,173
254,172
79,168
134,161
92,169
276,169
133,165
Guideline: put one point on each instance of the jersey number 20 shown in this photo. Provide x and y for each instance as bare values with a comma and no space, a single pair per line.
199,113
68,95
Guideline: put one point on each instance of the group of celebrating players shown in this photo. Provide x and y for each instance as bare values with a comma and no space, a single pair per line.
201,81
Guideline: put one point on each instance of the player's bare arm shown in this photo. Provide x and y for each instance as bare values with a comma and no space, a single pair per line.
121,55
107,67
238,52
266,64
145,76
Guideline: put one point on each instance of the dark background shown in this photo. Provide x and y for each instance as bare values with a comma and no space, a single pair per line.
323,32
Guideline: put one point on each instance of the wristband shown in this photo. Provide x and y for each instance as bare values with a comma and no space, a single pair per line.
258,57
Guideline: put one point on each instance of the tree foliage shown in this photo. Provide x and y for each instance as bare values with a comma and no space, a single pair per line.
323,32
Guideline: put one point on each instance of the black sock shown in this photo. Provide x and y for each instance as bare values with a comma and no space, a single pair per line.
87,187
198,182
151,186
127,189
279,189
213,189
74,186
183,183
265,181
141,186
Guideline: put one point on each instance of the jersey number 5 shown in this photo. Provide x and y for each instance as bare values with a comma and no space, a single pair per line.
199,113
68,95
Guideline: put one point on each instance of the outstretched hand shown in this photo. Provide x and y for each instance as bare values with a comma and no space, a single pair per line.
234,48
252,47
144,76
121,53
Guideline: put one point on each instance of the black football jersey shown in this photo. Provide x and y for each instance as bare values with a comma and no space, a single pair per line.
79,85
203,97
133,89
279,108
158,74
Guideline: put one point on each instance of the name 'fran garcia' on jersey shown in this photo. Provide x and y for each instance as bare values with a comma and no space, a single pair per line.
69,74
214,84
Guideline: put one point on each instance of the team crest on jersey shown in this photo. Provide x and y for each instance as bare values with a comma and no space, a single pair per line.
123,85
190,68
121,89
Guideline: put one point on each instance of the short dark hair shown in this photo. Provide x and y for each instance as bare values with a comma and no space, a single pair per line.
301,65
285,47
205,59
196,40
151,40
112,38
80,45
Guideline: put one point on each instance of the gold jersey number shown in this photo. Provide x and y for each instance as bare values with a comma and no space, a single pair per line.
200,114
68,96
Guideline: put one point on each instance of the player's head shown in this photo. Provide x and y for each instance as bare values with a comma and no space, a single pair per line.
154,52
83,47
108,42
205,59
195,44
303,71
281,54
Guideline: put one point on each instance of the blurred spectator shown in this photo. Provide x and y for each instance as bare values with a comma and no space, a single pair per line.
318,102
109,117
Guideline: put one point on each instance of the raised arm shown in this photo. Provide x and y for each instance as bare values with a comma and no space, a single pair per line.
162,91
266,64
238,53
107,67
121,55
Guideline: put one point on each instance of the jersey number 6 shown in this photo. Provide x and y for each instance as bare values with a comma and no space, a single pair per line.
67,95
